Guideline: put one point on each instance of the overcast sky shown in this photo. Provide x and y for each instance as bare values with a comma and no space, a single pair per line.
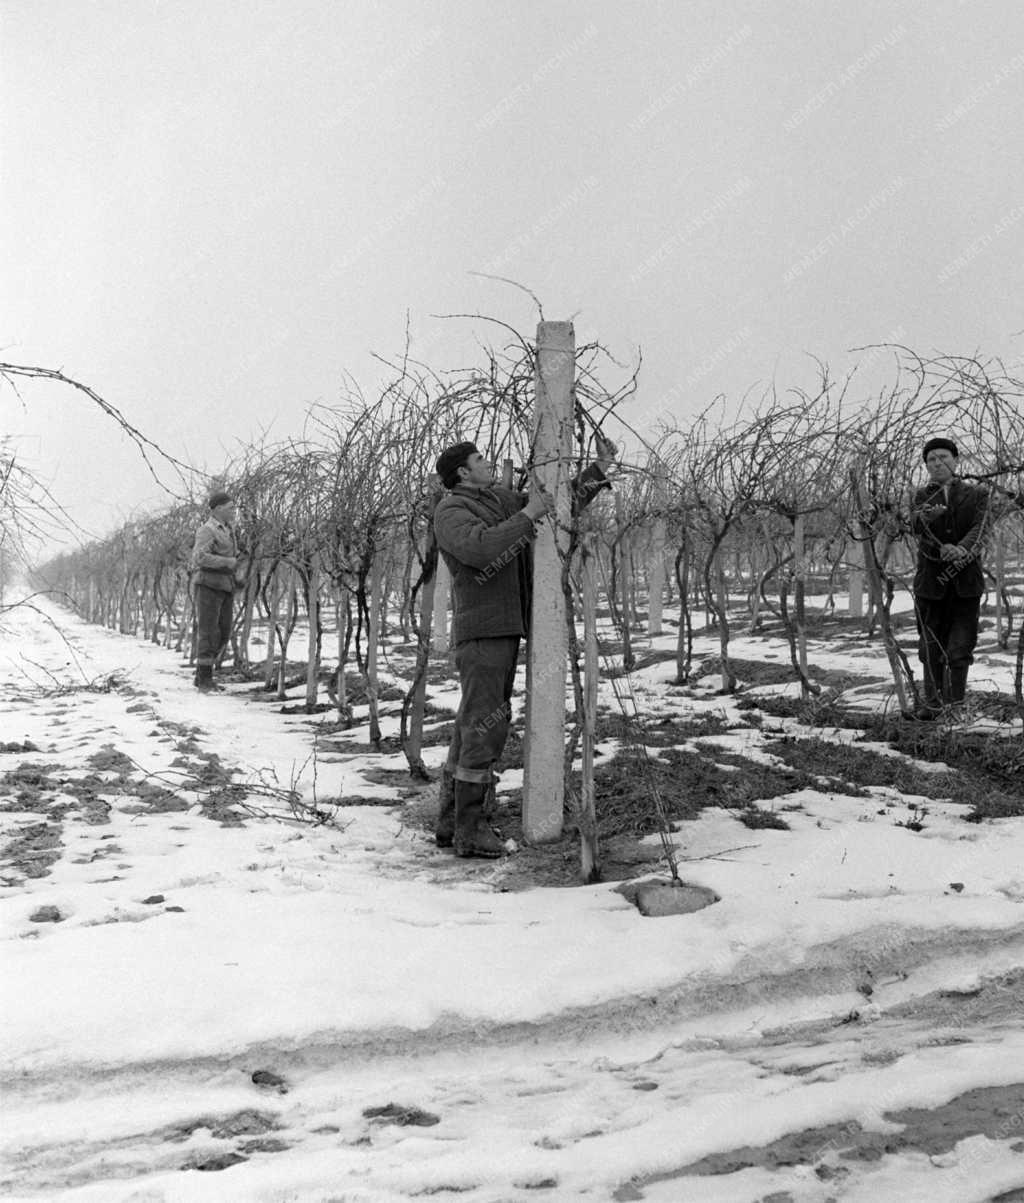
213,211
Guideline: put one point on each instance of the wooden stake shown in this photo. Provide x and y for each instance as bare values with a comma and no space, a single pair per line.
722,600
1000,575
372,641
313,646
799,591
875,588
341,623
656,578
273,595
442,588
589,870
625,582
414,741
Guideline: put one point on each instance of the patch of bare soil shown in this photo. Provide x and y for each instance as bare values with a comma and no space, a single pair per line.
109,760
186,737
295,678
406,788
995,1002
158,799
627,787
438,736
354,746
218,803
823,711
750,672
531,866
392,777
993,1111
222,1140
614,649
27,784
754,673
43,790
33,850
208,772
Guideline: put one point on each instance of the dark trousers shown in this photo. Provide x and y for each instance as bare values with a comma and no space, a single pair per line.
947,630
487,671
213,623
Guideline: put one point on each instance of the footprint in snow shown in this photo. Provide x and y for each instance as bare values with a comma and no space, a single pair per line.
268,1080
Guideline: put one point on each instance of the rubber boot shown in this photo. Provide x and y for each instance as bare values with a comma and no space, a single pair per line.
491,799
931,700
473,837
957,683
204,679
444,828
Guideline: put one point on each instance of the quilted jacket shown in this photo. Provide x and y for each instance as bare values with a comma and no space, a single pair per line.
960,521
485,540
213,556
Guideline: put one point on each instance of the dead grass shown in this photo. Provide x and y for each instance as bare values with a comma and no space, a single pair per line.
755,817
648,660
861,767
33,850
664,731
981,773
687,782
441,734
749,672
824,711
988,772
109,760
28,782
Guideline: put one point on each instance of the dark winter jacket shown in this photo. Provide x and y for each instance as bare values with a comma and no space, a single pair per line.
485,540
213,556
961,521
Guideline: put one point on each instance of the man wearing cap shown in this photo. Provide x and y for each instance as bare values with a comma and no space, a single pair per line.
948,517
214,557
485,533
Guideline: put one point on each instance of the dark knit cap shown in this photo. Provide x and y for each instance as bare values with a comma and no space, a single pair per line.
218,498
936,444
451,460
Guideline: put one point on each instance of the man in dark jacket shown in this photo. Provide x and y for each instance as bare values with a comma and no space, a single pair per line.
485,533
214,557
948,517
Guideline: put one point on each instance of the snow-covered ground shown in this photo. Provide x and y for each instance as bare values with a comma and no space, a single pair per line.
201,1009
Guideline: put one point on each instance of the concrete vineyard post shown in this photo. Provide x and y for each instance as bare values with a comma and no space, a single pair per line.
543,780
